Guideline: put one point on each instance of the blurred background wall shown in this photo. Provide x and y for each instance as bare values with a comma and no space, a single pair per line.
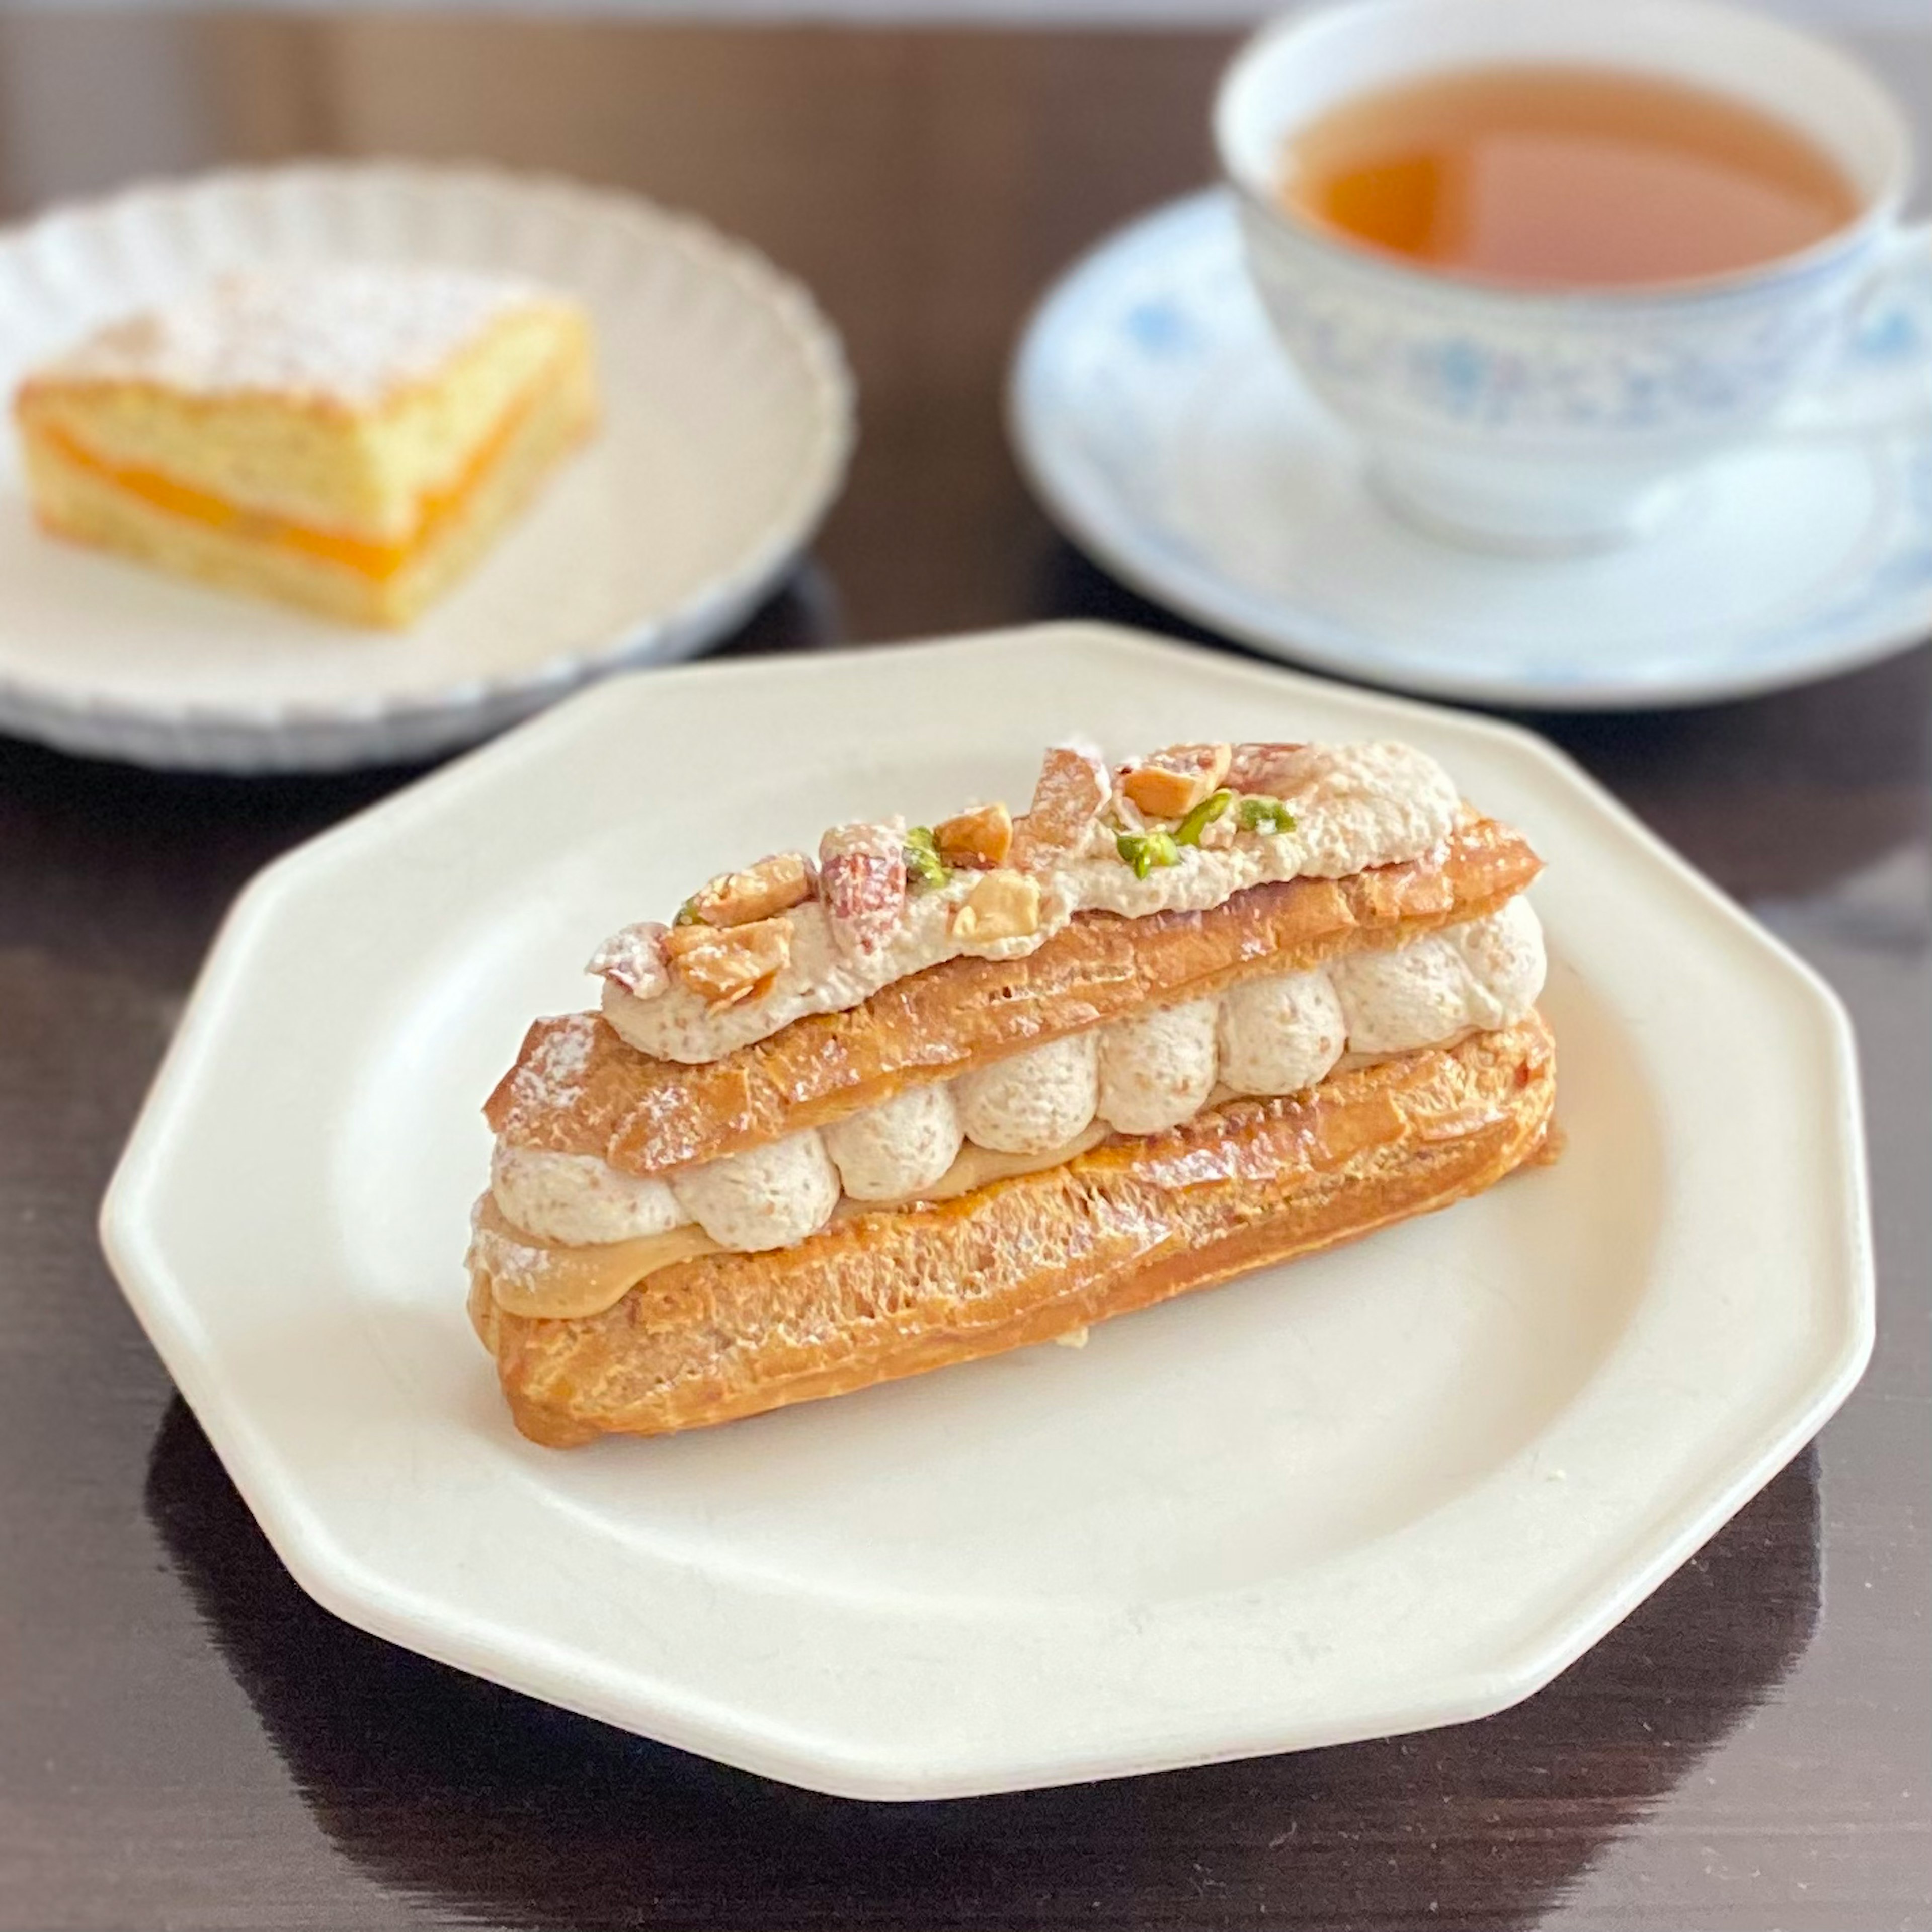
90,97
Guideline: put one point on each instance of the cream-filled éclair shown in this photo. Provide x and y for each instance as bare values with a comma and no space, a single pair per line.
1272,992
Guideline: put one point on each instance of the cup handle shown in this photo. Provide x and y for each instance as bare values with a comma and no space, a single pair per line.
1883,379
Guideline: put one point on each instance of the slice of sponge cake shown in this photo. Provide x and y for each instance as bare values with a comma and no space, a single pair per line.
349,438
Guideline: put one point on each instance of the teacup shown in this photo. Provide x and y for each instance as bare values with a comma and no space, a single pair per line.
1538,420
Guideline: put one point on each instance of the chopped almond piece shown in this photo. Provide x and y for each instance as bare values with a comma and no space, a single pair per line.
1160,794
1171,783
724,965
1269,770
977,839
634,959
771,886
1003,905
862,882
1073,786
1210,760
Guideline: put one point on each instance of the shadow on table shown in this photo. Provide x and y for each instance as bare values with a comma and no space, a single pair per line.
505,1810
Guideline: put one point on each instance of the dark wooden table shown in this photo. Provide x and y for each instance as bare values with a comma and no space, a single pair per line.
185,1740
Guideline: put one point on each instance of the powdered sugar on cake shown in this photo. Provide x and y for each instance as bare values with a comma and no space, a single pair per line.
347,335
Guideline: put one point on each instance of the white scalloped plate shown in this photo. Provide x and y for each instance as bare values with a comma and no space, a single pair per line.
728,421
1401,1484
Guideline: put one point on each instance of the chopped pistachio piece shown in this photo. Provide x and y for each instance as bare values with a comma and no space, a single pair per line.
1144,850
924,867
1265,814
688,914
1189,831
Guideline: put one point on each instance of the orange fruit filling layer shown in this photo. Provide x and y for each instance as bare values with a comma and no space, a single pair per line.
376,561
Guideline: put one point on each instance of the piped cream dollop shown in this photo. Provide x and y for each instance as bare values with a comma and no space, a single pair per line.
1280,1034
1031,1101
1158,1068
766,1197
578,1198
1482,973
891,1151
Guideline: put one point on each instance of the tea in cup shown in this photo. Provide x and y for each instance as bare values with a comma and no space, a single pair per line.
1546,257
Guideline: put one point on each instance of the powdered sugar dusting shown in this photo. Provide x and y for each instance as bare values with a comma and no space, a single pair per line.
634,957
514,1264
553,1076
335,332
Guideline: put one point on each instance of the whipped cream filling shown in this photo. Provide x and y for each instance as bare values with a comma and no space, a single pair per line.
578,1197
908,1143
767,1197
1354,806
1274,1035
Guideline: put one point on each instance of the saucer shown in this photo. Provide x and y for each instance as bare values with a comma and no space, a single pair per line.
1162,427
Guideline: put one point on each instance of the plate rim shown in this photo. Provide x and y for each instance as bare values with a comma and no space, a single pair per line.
1198,595
244,735
339,1579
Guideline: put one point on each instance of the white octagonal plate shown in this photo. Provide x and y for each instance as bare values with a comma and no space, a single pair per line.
1397,1485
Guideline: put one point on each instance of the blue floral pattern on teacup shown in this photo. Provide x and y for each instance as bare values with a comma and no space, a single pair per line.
1144,386
1451,358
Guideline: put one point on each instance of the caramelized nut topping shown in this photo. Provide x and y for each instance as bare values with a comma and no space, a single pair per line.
1211,761
1171,783
977,839
1161,793
1003,905
634,958
862,879
771,886
725,965
1072,788
1272,768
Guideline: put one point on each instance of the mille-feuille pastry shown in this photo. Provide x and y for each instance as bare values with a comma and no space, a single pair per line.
347,438
951,1090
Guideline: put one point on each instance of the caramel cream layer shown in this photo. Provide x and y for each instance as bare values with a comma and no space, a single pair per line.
530,1276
